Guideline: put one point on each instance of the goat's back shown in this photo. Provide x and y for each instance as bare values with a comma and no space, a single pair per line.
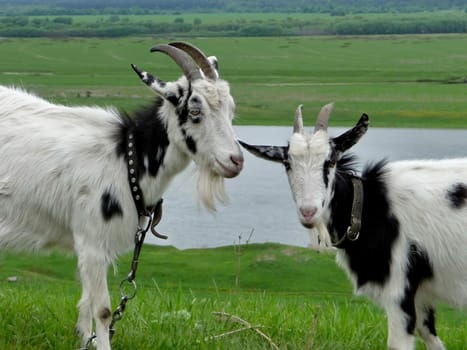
56,161
429,198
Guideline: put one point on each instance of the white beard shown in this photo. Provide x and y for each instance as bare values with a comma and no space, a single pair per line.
211,188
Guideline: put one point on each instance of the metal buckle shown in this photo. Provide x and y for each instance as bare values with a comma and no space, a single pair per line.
351,235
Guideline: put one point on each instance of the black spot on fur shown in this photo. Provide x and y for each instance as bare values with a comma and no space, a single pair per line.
408,306
457,195
150,134
191,144
173,99
429,321
105,314
419,269
370,255
110,206
161,83
180,90
182,110
326,173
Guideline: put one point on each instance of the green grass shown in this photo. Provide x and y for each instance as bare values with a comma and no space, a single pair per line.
299,298
400,81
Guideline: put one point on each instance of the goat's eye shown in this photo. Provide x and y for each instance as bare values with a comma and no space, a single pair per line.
195,115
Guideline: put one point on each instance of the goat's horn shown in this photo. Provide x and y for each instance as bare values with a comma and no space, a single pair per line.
298,124
185,62
323,117
199,57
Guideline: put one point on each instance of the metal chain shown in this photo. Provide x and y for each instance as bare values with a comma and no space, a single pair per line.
152,219
118,313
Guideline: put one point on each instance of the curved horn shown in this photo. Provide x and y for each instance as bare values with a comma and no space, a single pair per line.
298,124
184,61
199,57
323,117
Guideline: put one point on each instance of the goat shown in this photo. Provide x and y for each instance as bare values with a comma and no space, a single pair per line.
399,227
64,177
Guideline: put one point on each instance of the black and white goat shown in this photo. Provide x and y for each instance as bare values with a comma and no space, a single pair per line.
400,227
64,177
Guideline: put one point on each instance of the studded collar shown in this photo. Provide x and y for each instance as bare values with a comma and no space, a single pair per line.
133,175
152,214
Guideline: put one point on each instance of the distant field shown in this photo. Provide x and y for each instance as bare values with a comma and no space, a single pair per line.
264,18
400,81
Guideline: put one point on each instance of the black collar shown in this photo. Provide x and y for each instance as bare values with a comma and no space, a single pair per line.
353,231
133,175
153,214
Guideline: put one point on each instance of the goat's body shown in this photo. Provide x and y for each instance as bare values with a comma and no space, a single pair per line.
34,213
412,248
430,201
405,247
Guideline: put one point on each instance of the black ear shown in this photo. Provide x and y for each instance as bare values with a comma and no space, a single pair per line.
272,153
349,138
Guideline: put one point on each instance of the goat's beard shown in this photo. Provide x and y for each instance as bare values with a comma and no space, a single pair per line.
211,188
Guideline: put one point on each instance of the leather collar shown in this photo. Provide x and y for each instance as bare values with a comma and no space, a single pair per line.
353,231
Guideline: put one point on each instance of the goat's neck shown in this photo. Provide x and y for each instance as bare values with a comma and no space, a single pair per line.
153,186
158,157
378,222
340,207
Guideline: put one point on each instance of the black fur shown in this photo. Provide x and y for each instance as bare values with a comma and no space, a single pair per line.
191,144
419,269
457,195
110,206
182,109
429,321
370,255
189,141
150,135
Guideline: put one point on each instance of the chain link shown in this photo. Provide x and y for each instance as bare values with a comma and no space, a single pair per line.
152,219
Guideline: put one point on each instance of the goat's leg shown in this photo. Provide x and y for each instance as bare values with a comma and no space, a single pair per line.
84,325
426,325
401,326
102,313
95,302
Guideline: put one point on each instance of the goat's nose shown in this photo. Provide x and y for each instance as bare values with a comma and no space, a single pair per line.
237,160
308,212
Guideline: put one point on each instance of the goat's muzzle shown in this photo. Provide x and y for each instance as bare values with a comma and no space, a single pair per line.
230,167
307,216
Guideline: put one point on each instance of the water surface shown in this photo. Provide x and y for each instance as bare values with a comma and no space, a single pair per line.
260,201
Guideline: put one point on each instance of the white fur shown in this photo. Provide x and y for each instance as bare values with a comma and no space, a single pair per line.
306,155
418,194
56,162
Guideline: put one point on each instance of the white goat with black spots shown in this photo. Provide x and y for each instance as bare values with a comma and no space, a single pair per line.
64,174
400,227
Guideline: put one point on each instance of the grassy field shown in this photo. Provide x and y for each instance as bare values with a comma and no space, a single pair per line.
400,81
297,297
272,17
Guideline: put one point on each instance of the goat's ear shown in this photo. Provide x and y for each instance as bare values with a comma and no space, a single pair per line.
272,153
215,63
159,86
349,138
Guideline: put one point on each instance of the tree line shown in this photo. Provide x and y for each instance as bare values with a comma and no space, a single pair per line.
69,7
117,25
